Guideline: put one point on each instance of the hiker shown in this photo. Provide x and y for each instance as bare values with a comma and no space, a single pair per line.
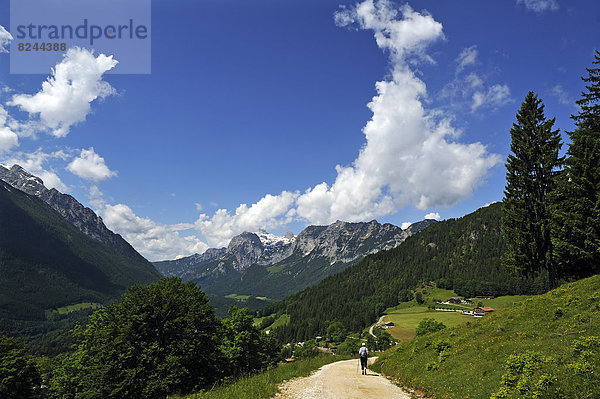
363,352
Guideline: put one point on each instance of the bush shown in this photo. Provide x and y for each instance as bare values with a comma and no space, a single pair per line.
384,339
246,348
428,326
349,347
307,350
337,332
404,296
419,297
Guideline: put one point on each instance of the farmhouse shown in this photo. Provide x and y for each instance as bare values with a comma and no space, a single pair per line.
482,311
389,324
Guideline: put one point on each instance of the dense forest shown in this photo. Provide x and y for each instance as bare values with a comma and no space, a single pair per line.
460,254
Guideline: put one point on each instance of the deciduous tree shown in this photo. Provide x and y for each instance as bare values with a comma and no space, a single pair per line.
158,339
19,378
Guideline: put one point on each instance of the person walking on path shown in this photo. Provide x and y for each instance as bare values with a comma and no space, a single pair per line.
363,352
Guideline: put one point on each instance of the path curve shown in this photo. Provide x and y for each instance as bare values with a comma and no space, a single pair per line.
379,322
341,380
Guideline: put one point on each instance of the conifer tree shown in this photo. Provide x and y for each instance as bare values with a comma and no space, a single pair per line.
530,178
576,215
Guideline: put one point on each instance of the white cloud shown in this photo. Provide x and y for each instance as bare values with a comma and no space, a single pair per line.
271,212
404,37
495,97
467,56
154,240
5,39
563,97
405,225
65,97
539,6
432,215
489,203
34,164
8,138
90,166
199,207
410,156
473,81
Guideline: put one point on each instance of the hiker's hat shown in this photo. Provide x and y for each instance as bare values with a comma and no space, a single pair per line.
363,344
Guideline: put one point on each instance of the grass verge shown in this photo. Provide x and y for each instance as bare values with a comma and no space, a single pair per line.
264,386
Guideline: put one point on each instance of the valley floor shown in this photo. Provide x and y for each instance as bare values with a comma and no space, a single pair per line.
341,380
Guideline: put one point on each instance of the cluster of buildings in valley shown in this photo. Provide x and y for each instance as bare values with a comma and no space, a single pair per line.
479,311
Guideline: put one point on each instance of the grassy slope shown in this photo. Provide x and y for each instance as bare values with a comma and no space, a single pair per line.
551,326
407,320
408,315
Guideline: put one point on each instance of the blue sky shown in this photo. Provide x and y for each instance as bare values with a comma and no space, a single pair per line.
257,102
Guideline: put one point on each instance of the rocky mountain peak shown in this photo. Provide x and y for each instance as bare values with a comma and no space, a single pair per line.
19,178
246,249
72,210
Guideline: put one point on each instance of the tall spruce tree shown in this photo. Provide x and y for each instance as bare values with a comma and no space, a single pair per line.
530,178
576,215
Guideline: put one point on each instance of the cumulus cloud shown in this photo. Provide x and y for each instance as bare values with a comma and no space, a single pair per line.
90,166
410,156
5,39
271,212
495,97
8,138
467,56
66,95
539,6
432,215
35,163
154,240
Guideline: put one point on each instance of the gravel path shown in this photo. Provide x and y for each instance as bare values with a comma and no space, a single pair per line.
379,322
341,380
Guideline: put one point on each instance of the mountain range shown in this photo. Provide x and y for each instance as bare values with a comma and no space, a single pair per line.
68,207
265,265
458,254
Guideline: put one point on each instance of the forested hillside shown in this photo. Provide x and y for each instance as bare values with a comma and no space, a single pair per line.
460,254
47,263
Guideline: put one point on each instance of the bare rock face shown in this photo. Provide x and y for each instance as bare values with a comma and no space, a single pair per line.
246,249
308,239
346,242
339,245
72,210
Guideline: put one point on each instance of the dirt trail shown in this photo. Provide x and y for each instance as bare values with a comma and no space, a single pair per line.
379,322
340,380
